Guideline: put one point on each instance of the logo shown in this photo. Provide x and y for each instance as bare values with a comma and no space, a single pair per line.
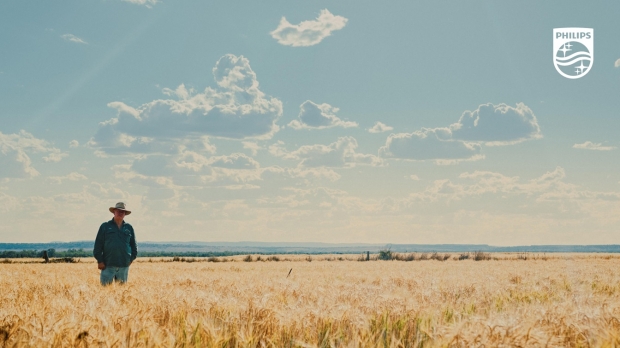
573,51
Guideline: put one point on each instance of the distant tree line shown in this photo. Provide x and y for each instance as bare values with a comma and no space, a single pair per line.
188,253
14,254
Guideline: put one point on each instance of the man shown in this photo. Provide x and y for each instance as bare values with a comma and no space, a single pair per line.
115,246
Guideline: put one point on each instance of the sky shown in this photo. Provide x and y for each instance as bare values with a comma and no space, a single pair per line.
347,121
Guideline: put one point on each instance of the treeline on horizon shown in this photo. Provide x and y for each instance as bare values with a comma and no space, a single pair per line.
172,249
52,253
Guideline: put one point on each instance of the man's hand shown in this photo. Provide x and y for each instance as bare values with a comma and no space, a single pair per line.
101,266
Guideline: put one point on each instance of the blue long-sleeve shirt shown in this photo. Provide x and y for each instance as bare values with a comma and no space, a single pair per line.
114,246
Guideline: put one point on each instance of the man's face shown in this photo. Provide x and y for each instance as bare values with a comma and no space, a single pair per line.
119,214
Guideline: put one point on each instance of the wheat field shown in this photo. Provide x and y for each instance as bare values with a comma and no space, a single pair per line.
563,301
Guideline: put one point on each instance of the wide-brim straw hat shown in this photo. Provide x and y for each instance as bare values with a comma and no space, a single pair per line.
120,206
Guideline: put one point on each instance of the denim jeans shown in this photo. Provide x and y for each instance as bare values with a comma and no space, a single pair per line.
110,274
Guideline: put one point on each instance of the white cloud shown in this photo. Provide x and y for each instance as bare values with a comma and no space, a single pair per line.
317,173
497,125
124,108
73,176
309,198
319,116
379,127
341,153
253,147
15,163
183,164
55,156
308,33
14,150
414,177
234,161
490,125
147,3
157,180
548,190
588,145
190,169
277,149
617,63
73,38
278,174
74,144
450,162
242,187
201,145
237,109
428,144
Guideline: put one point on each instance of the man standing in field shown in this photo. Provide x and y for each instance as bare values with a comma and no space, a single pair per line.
115,246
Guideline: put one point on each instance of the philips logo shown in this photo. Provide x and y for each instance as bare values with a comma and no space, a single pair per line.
560,35
573,51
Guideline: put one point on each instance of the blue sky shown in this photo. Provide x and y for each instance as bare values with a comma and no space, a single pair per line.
348,121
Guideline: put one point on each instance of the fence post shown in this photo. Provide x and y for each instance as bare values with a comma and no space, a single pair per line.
368,256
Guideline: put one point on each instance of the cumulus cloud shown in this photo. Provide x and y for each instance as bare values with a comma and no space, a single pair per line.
236,109
191,169
484,182
319,197
15,163
73,38
308,33
201,145
341,153
549,187
74,144
14,159
126,109
319,116
617,63
379,127
234,161
73,176
497,125
490,125
252,146
308,174
588,145
178,165
428,144
147,3
278,149
242,187
316,173
54,156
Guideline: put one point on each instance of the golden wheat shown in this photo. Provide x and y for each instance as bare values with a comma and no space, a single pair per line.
560,301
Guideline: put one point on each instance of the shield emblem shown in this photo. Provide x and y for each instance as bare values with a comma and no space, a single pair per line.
573,51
